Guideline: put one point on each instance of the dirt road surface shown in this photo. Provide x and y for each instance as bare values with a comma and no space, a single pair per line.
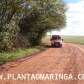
66,60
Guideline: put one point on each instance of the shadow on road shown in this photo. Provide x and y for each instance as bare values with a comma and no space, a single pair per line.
49,46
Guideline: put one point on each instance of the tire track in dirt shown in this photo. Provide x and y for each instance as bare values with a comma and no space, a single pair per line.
80,60
71,67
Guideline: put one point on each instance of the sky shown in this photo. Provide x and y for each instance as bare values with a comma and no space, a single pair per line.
71,1
75,18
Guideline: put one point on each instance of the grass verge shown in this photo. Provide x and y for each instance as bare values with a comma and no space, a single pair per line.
19,53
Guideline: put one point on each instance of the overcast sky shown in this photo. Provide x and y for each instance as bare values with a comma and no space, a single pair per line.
75,18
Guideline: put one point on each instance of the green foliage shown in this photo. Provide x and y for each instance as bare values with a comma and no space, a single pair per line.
29,20
9,11
45,15
7,36
19,53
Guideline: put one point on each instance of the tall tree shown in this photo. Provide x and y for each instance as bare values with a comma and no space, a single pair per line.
45,15
34,17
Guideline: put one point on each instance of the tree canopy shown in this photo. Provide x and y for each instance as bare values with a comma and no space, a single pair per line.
29,19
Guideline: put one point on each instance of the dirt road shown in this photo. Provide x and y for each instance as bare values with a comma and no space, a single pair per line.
66,60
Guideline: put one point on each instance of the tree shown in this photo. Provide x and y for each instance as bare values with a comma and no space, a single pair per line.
45,15
29,20
10,13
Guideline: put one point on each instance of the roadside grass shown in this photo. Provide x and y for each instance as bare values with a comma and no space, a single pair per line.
74,39
19,53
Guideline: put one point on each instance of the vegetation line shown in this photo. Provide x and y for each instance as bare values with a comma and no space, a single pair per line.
19,53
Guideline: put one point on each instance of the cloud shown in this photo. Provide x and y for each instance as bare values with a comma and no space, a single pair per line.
75,19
